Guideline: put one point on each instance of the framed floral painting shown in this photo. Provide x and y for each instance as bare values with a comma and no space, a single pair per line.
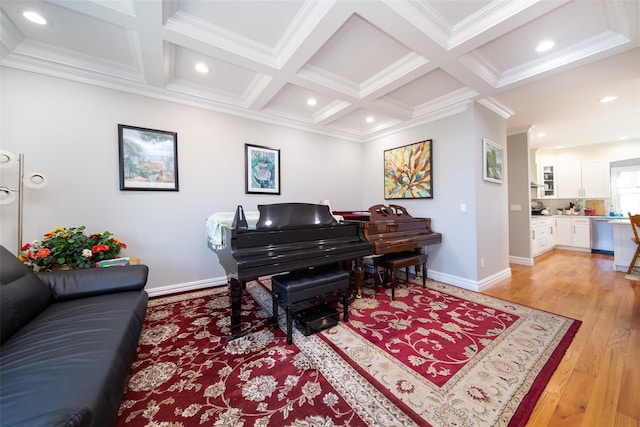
148,159
408,171
262,170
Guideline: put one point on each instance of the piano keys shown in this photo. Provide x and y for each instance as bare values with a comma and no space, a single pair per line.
286,237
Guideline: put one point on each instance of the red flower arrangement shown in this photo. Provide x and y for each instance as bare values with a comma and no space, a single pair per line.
71,248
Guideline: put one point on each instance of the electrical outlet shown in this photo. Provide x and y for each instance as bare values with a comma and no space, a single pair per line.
481,262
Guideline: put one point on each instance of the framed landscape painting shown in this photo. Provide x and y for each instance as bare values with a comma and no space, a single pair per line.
262,170
407,172
493,161
148,159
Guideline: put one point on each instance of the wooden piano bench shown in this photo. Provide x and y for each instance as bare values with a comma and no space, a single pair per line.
303,289
395,261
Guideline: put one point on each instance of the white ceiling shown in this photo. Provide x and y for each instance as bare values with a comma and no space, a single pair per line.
401,62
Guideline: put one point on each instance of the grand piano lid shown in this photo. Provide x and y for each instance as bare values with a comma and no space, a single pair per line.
293,215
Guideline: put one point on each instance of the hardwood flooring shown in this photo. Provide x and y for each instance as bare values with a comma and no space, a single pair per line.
597,384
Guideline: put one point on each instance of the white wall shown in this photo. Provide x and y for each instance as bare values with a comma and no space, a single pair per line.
492,201
519,191
482,231
68,131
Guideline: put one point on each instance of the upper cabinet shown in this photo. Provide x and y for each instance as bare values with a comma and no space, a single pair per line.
596,179
586,180
548,180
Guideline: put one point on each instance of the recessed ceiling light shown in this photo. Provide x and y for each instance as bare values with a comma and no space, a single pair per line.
311,102
622,138
608,99
34,17
541,135
370,119
545,45
202,68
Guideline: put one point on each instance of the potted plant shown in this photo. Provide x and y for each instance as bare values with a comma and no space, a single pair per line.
70,248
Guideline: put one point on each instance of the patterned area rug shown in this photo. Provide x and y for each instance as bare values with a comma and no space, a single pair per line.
435,356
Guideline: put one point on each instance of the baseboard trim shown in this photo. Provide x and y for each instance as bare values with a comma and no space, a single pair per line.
521,261
572,248
186,287
471,285
461,282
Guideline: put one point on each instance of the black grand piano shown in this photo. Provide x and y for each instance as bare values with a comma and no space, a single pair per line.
287,237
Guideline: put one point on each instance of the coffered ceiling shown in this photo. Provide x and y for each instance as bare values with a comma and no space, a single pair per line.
397,63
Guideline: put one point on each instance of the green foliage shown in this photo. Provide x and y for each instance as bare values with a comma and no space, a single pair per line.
70,248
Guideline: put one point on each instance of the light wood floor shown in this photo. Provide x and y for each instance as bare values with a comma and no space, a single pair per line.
597,384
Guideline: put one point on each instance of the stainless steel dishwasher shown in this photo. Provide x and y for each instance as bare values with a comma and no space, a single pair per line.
601,235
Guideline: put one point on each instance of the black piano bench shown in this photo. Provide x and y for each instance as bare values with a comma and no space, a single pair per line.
395,261
303,289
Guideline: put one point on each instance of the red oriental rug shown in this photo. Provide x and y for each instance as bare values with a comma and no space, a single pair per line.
435,356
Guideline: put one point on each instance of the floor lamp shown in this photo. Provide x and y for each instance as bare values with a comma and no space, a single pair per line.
34,180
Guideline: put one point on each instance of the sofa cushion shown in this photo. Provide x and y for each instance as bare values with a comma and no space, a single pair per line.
61,418
22,294
75,354
88,282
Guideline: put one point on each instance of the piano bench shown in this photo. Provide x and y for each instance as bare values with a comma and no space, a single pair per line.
395,261
303,289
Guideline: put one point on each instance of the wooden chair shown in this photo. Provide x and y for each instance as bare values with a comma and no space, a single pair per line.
635,225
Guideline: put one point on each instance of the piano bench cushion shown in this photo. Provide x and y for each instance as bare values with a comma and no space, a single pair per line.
301,285
400,260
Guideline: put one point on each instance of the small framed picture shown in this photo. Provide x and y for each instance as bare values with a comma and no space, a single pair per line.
148,159
493,161
262,170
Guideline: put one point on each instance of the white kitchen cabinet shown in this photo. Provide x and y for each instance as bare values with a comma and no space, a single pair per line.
586,179
542,235
548,180
573,233
596,179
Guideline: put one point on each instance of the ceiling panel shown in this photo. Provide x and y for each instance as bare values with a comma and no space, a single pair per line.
431,86
263,21
357,51
400,62
222,77
75,33
519,46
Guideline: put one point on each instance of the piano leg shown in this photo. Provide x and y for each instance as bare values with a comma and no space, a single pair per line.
359,276
235,290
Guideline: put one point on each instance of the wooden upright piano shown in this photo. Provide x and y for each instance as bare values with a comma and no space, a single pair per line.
391,229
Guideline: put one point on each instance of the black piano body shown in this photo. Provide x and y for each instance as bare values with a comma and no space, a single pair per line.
287,237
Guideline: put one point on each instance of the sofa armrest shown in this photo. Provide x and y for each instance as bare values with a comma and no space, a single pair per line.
73,284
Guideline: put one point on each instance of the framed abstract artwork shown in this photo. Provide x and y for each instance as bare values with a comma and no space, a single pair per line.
493,161
408,171
262,170
148,159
